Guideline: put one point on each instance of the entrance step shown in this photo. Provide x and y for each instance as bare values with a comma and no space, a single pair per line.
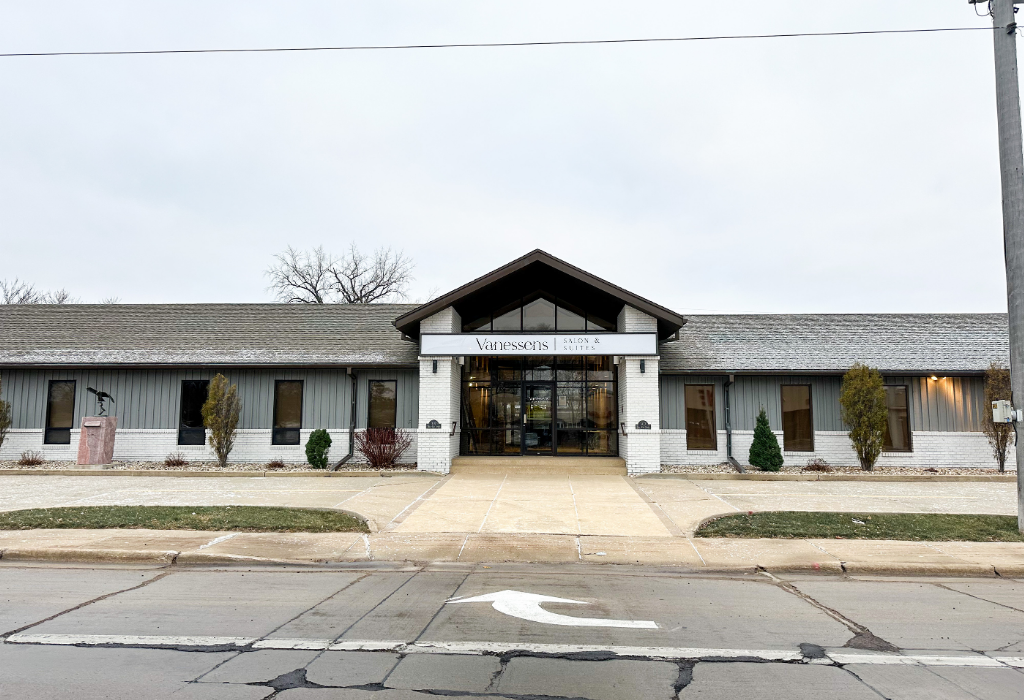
538,465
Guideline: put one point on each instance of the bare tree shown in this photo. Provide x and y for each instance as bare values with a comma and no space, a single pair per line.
17,292
316,277
359,279
111,300
300,277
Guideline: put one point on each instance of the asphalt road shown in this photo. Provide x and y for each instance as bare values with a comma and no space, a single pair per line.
388,632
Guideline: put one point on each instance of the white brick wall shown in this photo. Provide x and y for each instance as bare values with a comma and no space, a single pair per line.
251,446
931,449
639,399
440,397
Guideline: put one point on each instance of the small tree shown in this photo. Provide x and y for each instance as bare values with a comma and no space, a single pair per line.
317,447
220,416
382,447
864,409
1000,435
764,450
6,417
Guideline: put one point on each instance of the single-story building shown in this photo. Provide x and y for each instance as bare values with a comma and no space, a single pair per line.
537,358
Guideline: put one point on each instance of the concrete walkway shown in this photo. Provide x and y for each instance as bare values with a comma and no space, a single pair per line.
517,504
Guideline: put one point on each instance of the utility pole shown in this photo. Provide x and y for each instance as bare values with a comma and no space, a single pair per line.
1011,163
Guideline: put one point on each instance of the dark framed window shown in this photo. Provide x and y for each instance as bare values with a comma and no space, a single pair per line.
60,412
797,423
191,430
897,428
382,404
701,431
539,311
287,412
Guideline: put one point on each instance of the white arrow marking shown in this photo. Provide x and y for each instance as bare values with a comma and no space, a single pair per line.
526,606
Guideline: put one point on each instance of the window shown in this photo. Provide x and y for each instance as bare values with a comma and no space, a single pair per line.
539,311
383,404
897,428
287,412
60,413
190,421
701,432
797,427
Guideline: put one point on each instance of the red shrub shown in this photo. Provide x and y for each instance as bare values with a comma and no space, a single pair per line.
382,447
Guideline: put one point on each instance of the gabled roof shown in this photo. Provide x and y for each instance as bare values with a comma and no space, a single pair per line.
830,343
540,268
203,334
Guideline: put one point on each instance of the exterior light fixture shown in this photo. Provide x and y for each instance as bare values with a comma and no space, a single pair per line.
643,366
435,366
934,378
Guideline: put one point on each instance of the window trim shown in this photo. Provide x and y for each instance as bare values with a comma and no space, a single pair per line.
277,435
714,418
910,431
74,401
782,414
369,393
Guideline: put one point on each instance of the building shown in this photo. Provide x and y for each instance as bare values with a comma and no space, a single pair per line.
535,358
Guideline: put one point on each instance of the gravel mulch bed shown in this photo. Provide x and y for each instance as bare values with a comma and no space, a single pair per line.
903,471
196,467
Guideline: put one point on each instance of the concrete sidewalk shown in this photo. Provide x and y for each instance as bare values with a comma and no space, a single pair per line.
692,554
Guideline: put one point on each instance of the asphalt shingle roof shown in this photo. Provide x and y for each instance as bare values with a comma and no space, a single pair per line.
832,342
337,334
232,334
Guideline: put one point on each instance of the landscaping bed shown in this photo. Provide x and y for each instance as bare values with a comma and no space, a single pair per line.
930,527
196,467
900,471
235,518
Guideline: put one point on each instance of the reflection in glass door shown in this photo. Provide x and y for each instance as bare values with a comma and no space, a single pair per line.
537,418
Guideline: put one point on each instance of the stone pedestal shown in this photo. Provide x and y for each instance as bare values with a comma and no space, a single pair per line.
96,444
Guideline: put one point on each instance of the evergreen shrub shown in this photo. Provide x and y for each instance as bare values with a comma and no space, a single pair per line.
765,453
317,447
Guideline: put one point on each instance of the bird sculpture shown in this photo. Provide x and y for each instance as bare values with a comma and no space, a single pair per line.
101,397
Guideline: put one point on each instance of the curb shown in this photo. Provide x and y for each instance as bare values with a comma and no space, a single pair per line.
694,476
178,473
110,556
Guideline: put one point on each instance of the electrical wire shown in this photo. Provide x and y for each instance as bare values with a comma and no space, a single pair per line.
507,44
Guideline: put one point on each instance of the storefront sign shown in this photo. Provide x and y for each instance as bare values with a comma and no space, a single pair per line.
539,344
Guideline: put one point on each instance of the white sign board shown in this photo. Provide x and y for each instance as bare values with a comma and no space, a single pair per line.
539,344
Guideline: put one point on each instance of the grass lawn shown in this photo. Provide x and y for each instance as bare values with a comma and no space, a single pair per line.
241,518
872,526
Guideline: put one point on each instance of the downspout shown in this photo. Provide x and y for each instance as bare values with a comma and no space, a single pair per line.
728,427
351,424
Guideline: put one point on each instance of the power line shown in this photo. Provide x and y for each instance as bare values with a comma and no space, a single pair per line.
389,47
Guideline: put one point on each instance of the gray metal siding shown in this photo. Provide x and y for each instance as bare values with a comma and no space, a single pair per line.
673,404
407,387
949,404
150,398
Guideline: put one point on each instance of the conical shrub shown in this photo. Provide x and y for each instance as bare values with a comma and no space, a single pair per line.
765,453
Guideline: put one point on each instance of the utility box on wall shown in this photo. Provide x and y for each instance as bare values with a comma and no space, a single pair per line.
96,444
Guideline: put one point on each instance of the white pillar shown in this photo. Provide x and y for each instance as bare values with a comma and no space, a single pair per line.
639,401
440,397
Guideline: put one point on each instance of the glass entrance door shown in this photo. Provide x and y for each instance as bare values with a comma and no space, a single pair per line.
538,418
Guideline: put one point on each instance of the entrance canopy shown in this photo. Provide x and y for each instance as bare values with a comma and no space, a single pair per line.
521,293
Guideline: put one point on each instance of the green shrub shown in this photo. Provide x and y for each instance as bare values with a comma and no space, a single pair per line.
317,447
220,416
864,409
764,450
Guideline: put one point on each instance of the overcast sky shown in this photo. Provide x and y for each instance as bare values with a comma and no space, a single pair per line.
839,174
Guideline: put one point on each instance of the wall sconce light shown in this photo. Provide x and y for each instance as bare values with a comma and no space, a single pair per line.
435,366
934,378
643,366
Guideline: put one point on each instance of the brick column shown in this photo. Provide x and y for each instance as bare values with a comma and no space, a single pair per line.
440,397
639,399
